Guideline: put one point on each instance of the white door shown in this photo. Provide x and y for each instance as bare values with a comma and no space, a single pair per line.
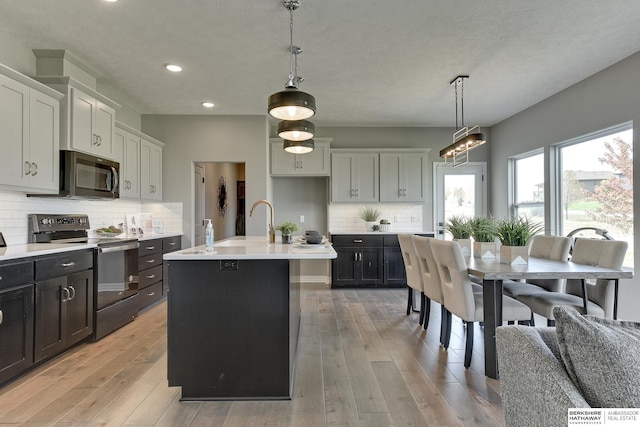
198,205
459,191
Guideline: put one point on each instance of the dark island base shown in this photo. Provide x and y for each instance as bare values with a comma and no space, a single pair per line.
232,333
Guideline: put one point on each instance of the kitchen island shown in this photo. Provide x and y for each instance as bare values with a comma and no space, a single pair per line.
233,318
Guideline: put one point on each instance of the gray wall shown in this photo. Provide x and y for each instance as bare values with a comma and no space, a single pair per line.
302,196
201,139
603,100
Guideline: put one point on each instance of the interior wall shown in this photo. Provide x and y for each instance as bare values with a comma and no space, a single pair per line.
16,55
190,138
294,197
598,102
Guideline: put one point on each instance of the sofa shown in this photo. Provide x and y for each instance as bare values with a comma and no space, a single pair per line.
584,362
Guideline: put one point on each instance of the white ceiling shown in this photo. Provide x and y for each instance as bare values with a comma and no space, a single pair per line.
367,62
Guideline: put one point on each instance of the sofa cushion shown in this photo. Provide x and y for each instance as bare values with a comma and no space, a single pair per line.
602,357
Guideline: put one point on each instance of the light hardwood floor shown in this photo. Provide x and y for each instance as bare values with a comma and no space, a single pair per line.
361,362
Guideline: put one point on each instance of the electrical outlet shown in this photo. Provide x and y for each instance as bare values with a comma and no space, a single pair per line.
301,218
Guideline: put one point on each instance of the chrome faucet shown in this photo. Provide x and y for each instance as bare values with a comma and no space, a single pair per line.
272,232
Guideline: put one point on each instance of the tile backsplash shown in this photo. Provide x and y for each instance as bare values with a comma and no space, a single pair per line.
14,208
402,216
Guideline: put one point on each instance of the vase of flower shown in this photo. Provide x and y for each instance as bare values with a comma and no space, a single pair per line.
370,216
287,228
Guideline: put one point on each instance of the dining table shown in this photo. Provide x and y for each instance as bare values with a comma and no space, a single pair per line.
493,272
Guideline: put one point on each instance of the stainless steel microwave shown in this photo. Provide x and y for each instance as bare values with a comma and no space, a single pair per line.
88,177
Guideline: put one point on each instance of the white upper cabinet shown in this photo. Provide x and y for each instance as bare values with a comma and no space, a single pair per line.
150,170
29,134
87,118
354,177
127,148
315,163
92,125
402,177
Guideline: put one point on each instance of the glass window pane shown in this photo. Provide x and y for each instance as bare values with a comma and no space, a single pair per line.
530,179
597,187
459,195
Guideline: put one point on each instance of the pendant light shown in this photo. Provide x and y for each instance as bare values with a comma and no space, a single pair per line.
292,103
465,138
296,130
298,147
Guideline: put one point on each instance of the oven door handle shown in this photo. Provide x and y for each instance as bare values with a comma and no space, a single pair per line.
114,174
118,248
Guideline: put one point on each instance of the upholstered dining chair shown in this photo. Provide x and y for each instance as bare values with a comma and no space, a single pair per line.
430,280
459,298
414,281
547,247
600,294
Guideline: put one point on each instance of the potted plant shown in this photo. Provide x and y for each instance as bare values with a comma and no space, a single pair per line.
287,228
458,226
370,215
515,235
483,231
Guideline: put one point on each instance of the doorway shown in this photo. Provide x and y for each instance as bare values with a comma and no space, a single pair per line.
460,190
219,196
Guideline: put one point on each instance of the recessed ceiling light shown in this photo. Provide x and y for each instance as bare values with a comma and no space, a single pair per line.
207,104
111,1
173,67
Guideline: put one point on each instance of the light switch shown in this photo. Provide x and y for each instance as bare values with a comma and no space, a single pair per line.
301,218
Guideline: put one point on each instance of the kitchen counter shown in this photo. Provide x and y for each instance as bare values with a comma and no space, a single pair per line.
254,247
360,231
233,318
37,249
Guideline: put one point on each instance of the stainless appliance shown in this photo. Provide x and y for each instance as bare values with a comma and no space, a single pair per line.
115,267
83,176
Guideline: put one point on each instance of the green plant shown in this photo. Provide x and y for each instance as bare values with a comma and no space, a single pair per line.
287,227
369,213
458,226
517,231
483,228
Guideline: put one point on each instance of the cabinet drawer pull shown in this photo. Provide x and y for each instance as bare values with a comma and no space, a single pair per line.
68,264
27,168
1,317
357,240
172,243
151,276
34,172
151,261
150,248
151,294
72,292
0,277
65,299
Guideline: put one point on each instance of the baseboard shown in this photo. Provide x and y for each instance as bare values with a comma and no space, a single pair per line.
315,279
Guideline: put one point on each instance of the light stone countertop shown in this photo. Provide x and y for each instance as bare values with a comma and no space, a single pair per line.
254,247
359,231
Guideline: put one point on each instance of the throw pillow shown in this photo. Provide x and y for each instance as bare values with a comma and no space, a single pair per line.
602,357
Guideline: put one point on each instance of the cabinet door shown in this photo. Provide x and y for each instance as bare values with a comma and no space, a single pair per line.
104,125
282,163
343,268
413,165
315,163
366,178
342,173
79,307
16,331
391,179
150,171
83,134
49,317
370,266
129,163
14,132
394,271
44,141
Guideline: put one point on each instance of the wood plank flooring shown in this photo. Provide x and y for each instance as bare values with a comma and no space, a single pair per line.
361,362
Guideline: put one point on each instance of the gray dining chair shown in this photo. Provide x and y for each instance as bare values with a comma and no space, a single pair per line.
459,298
430,280
414,281
600,299
546,247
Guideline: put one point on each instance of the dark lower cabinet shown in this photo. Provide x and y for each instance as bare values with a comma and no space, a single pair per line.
64,314
368,260
16,331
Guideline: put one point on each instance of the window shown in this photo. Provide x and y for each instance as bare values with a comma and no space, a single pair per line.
596,185
528,186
